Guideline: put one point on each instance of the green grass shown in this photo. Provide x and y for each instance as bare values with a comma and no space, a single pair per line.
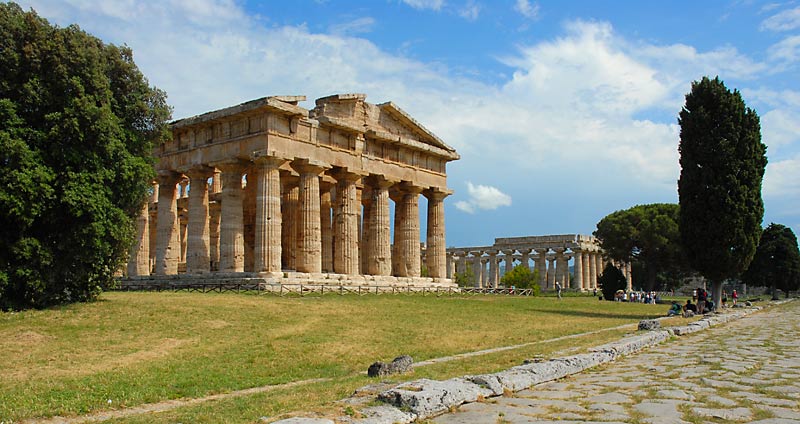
135,348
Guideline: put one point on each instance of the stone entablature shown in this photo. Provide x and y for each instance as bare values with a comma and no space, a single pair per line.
271,188
550,255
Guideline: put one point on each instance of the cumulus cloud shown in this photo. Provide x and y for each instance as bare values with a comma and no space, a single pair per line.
786,50
425,4
483,197
526,9
785,20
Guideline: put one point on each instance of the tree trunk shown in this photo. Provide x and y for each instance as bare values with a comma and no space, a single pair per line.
716,293
774,292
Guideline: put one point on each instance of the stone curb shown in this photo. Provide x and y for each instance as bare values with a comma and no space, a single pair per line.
425,398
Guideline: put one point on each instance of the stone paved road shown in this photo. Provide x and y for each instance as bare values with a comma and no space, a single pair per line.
753,375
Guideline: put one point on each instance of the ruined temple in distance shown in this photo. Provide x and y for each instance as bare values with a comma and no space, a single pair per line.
270,190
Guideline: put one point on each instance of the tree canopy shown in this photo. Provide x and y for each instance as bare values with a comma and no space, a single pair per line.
77,124
722,165
776,263
521,277
611,281
647,234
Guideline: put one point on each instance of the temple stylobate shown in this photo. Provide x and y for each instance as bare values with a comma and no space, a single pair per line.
271,190
550,255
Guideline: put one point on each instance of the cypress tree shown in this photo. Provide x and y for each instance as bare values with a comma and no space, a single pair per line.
722,166
777,261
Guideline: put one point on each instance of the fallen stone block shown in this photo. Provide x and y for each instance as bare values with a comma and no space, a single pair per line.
426,398
399,365
649,324
383,414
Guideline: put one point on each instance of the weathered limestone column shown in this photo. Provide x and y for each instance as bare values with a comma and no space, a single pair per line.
541,265
437,248
309,234
291,197
153,224
168,244
198,258
492,268
231,239
462,263
345,222
183,221
379,254
526,257
326,225
587,281
551,272
397,252
249,217
599,263
268,225
139,263
508,260
629,275
592,270
409,263
365,244
562,268
451,266
214,220
477,269
577,281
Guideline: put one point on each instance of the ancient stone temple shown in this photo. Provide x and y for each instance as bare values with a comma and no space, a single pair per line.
550,255
268,189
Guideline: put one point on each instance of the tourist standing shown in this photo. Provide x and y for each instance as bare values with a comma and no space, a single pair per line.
558,290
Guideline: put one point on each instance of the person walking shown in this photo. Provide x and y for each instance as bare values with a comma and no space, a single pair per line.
558,290
734,296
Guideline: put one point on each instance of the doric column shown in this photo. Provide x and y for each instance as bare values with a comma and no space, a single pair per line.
183,192
231,239
409,227
492,280
587,282
509,260
462,263
345,223
451,266
477,270
365,200
551,272
484,276
629,275
249,217
562,271
268,222
592,269
541,265
198,256
326,225
289,202
139,263
168,247
436,246
183,220
599,263
309,234
214,219
526,257
153,224
398,260
577,282
379,254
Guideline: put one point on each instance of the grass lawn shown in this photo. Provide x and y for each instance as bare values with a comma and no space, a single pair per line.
135,348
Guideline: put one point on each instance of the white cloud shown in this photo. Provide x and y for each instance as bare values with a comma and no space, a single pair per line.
483,197
782,179
785,20
786,50
425,4
470,11
526,9
356,26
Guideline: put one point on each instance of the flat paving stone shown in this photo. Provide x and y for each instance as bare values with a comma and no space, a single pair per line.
731,372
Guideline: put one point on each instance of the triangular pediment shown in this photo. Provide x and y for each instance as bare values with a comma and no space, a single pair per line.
394,120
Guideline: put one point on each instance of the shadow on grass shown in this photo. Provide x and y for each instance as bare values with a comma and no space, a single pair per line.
590,314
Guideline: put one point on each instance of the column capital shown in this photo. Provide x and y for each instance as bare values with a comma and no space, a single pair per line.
379,181
437,193
229,166
309,166
199,171
269,161
343,174
268,155
167,177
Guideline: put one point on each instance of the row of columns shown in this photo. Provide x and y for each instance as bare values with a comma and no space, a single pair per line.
293,228
552,268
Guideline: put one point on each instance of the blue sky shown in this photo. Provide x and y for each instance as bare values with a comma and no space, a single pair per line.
562,111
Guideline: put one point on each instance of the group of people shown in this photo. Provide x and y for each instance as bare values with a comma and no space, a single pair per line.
705,303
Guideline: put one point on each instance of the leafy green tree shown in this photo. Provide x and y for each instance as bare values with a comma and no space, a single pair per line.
648,235
722,165
465,279
77,125
776,263
521,277
611,281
